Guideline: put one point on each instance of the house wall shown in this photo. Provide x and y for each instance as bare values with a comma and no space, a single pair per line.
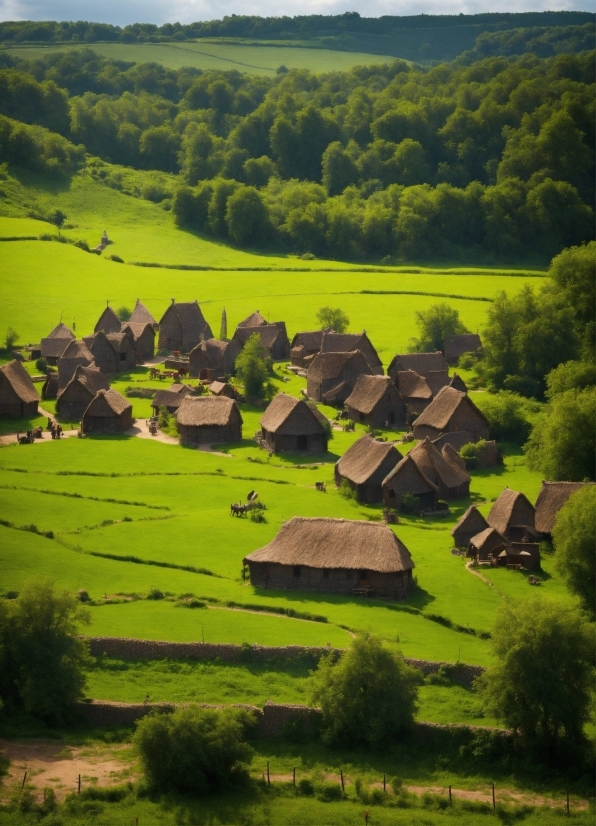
104,355
408,481
73,401
171,335
391,402
108,424
198,435
279,443
522,514
462,536
145,345
339,580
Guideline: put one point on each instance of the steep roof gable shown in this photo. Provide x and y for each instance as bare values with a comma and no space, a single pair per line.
364,458
368,392
108,322
19,379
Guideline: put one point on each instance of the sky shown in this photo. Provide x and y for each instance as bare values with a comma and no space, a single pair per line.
122,12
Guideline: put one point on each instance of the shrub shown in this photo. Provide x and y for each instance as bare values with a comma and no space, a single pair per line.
409,504
470,453
83,596
397,785
155,593
507,415
305,787
347,491
195,750
11,338
41,365
329,792
116,258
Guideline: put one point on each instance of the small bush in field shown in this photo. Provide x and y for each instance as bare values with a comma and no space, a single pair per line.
41,365
329,792
306,787
409,504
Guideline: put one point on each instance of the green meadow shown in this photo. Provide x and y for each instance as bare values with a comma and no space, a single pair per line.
257,58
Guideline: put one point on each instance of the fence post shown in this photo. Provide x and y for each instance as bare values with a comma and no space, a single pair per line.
23,783
450,799
341,777
79,788
494,800
384,784
268,776
294,776
568,812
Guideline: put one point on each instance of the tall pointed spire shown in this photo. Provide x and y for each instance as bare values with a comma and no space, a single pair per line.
223,330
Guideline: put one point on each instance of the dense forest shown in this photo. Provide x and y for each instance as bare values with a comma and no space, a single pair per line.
496,157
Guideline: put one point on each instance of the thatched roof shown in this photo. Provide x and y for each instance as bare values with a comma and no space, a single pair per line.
190,317
292,417
118,340
552,497
91,378
408,463
365,457
207,411
77,349
310,340
412,386
439,412
451,455
268,333
489,536
108,403
421,363
502,510
368,392
61,331
436,467
54,344
458,383
141,315
456,345
108,322
172,397
454,438
137,328
333,342
19,379
331,365
219,387
254,320
472,520
436,380
335,543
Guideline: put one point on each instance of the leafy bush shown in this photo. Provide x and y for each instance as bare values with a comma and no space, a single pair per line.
329,792
347,491
306,787
409,504
333,318
470,453
41,365
435,324
195,750
155,593
507,415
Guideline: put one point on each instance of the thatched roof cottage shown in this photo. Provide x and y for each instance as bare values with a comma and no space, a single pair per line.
408,478
456,345
222,388
112,352
457,383
333,342
254,320
422,363
375,401
331,377
451,410
486,544
108,322
305,346
80,392
471,523
171,398
55,343
292,426
551,498
414,390
182,327
334,555
208,420
273,338
141,315
521,554
18,396
364,466
512,515
208,360
108,412
143,338
76,353
452,481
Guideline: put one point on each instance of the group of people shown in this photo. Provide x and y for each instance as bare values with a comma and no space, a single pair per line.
54,428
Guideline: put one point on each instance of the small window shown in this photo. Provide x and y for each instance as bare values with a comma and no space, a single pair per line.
391,417
349,573
325,573
361,417
363,576
296,570
302,442
122,356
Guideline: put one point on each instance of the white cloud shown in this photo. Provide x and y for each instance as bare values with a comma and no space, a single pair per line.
187,11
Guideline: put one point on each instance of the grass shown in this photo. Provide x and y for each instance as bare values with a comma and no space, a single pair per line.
258,59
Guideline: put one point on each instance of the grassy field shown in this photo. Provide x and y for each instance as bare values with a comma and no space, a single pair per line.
252,59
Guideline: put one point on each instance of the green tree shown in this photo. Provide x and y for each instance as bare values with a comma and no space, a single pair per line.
368,696
195,750
574,537
333,318
45,656
252,368
571,375
124,313
223,327
562,444
507,415
435,324
540,684
573,275
247,218
339,169
58,218
11,338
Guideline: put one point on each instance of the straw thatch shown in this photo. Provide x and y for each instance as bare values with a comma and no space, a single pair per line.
471,523
18,396
222,388
76,353
421,363
126,354
55,343
407,477
141,315
291,425
112,352
208,419
458,383
455,439
273,339
78,394
254,320
414,390
375,401
451,410
334,555
304,346
489,542
143,338
182,327
108,322
511,513
364,466
456,345
452,481
171,398
209,356
552,497
108,412
331,377
333,342
50,386
436,380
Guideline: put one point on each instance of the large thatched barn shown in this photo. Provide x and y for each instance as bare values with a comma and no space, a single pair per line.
80,392
182,327
471,523
18,396
108,412
414,390
375,401
55,343
407,478
335,555
76,353
456,345
364,465
451,410
273,337
141,315
487,544
333,342
112,352
424,364
108,322
512,515
171,398
208,420
208,360
305,346
142,334
331,377
552,497
292,426
443,469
